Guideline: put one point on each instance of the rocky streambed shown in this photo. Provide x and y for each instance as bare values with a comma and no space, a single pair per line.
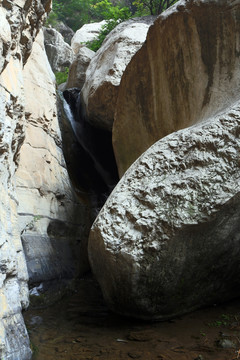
80,327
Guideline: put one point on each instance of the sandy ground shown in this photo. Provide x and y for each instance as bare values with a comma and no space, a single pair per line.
80,327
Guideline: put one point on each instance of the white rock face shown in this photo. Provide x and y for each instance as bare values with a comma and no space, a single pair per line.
51,219
104,73
5,38
86,33
78,68
161,245
60,54
19,23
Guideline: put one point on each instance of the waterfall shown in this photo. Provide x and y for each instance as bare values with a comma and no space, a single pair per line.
94,160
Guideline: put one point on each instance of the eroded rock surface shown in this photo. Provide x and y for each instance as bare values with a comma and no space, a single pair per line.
161,245
53,223
19,24
186,71
104,73
65,31
60,54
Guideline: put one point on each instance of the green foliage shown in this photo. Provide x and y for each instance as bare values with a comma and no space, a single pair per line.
106,10
223,321
52,19
34,349
152,7
76,13
61,76
114,16
37,217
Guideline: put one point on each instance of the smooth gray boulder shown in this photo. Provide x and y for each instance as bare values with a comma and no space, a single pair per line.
167,240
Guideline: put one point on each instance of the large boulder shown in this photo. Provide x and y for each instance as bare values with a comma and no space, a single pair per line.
104,73
60,54
19,24
187,70
85,34
168,239
78,68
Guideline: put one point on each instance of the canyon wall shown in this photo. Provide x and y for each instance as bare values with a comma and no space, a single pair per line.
42,224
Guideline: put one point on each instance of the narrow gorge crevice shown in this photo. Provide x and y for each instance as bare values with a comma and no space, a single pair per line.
88,152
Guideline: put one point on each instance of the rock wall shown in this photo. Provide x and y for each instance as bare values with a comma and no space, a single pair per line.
187,70
53,223
37,204
19,24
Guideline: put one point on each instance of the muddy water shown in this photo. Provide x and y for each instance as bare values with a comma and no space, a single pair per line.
80,327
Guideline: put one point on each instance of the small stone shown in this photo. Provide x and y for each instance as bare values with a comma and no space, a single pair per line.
139,336
200,357
226,344
134,355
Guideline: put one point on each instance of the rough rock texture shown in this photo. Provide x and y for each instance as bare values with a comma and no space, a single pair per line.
53,223
168,239
19,24
86,33
65,31
104,73
60,54
187,70
78,68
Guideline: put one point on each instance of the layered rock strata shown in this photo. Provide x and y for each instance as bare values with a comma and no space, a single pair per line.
167,241
186,71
